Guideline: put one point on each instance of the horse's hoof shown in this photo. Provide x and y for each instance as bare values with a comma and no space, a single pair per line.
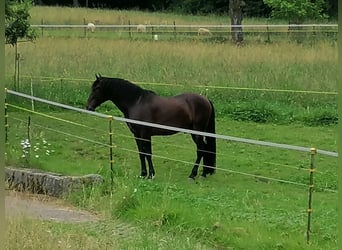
191,178
142,176
151,177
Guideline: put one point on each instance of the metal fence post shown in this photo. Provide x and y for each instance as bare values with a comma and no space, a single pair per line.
111,148
313,151
6,118
29,136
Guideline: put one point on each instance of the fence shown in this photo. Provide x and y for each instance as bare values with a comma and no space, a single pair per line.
214,86
216,31
311,151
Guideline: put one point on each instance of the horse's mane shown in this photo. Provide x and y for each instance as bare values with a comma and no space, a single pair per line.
125,88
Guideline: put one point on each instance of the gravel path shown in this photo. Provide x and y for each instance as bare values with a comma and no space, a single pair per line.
44,207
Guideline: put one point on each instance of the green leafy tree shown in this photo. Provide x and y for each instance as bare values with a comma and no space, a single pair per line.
17,18
297,11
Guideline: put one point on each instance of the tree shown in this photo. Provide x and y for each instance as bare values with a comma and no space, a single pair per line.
235,13
17,21
297,11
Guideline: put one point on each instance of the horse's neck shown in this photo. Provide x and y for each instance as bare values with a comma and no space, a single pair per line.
124,100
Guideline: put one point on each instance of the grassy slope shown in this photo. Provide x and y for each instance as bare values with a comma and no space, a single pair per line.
227,209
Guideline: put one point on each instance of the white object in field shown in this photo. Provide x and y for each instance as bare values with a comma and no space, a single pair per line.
141,28
203,31
91,27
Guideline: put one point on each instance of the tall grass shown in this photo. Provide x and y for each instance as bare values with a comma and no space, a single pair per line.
190,66
186,63
67,15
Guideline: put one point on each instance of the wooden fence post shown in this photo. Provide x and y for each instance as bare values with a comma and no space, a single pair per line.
42,29
129,29
313,151
85,28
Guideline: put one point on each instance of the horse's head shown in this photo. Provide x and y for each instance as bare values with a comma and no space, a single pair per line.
97,95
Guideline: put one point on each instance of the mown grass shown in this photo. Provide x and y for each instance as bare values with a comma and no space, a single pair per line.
227,210
206,211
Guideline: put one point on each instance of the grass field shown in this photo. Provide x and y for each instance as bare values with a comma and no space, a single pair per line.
228,210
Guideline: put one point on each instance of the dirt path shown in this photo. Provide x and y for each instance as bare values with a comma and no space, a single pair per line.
44,207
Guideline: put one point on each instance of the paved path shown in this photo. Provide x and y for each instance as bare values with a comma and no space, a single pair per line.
44,207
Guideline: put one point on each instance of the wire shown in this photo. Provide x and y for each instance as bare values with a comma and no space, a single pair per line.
214,86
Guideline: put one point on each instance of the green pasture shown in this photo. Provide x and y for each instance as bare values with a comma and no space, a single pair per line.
239,206
282,92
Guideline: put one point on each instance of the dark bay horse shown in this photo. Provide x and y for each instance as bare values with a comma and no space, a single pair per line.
188,111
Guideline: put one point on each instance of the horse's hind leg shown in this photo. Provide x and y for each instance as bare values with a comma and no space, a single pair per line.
200,146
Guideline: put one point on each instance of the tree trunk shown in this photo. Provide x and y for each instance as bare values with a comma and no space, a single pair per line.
235,13
75,3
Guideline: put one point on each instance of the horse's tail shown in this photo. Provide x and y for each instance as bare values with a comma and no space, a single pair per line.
209,157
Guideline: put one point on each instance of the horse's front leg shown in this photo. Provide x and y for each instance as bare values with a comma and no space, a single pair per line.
147,147
141,157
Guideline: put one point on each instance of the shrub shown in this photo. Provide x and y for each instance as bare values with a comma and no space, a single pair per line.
256,112
321,117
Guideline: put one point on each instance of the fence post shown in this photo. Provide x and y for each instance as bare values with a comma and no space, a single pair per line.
111,149
129,29
268,34
28,136
15,66
85,29
6,118
174,29
42,28
313,151
314,34
32,101
152,31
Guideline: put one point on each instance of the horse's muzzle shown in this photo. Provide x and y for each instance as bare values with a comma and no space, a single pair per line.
90,108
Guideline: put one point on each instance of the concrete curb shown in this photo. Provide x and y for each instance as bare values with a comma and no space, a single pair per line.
40,182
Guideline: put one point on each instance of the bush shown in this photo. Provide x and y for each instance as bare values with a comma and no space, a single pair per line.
256,112
321,117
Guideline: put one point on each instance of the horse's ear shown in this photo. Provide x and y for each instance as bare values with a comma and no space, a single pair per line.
98,76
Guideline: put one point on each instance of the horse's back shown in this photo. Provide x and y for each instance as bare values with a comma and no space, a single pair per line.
197,107
196,102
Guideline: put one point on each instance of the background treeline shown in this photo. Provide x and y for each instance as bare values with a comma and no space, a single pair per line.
252,8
